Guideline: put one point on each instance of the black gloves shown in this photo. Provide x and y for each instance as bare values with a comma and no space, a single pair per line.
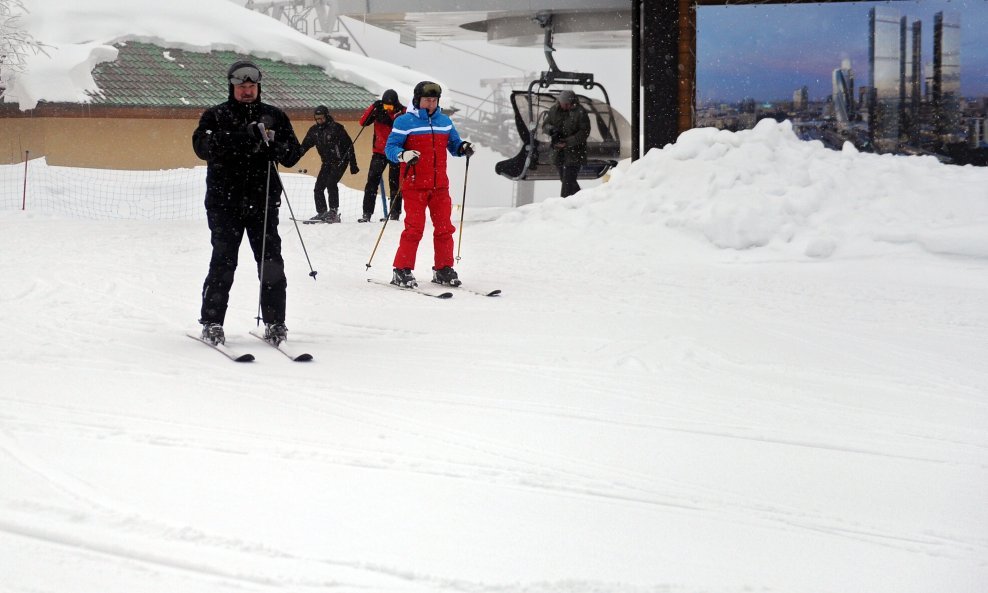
465,149
383,113
354,169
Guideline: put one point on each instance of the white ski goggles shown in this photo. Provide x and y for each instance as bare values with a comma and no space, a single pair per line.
245,74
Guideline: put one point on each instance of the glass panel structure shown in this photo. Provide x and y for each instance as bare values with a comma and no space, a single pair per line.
885,60
947,75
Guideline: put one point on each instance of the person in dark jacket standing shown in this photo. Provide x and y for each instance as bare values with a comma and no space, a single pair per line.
241,141
382,114
568,127
335,149
420,140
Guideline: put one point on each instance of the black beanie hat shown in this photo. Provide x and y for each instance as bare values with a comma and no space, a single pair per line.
321,110
390,97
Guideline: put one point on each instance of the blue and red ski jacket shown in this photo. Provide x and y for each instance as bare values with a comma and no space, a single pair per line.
433,137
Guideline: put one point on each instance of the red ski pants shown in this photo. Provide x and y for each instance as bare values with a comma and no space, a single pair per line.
440,207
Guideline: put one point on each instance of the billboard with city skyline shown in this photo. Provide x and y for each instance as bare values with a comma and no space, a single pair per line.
766,52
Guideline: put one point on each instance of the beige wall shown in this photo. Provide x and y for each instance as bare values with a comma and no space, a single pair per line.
138,144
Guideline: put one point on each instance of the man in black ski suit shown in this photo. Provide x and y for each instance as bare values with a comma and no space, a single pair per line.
242,140
568,126
335,148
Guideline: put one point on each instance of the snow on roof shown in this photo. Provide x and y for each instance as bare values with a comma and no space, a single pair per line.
79,36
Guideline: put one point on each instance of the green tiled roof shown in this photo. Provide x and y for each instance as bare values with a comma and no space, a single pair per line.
146,75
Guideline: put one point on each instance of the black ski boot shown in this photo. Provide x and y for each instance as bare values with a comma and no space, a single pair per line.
404,277
366,217
331,216
213,333
446,276
275,333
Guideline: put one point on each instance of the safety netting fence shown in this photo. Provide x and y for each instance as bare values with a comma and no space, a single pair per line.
171,194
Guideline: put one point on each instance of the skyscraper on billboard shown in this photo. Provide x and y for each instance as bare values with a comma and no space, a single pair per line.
915,92
884,65
801,98
947,76
910,52
843,93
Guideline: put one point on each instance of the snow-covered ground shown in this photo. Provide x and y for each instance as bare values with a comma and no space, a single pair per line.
746,363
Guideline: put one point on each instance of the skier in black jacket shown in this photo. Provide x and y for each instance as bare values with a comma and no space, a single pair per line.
241,141
335,148
568,126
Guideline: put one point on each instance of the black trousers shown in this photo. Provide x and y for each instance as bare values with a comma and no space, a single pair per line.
568,174
374,174
227,232
327,184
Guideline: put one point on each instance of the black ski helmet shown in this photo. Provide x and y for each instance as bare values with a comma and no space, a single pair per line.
390,97
243,71
426,88
322,110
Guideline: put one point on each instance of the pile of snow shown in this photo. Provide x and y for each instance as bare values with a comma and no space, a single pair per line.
765,188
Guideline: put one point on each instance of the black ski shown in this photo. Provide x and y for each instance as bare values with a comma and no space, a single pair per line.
225,350
488,293
440,295
287,351
308,221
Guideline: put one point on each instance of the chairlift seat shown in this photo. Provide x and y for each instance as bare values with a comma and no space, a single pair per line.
535,160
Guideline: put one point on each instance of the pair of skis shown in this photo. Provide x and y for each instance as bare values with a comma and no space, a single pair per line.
310,221
438,295
238,356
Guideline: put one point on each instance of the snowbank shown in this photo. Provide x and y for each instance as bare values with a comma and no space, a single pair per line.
766,188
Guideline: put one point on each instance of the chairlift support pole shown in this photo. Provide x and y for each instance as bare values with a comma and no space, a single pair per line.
554,75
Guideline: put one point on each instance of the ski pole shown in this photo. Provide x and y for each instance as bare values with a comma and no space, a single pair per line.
264,236
297,231
384,194
383,226
346,156
272,164
463,208
27,157
387,218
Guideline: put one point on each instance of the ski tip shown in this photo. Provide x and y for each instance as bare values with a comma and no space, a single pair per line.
244,358
303,358
496,292
445,295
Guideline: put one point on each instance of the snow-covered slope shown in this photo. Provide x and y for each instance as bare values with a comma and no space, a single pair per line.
746,364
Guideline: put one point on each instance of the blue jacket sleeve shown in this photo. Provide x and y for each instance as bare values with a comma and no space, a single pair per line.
454,141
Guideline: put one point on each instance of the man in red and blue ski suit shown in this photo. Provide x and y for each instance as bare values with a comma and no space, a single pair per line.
419,141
